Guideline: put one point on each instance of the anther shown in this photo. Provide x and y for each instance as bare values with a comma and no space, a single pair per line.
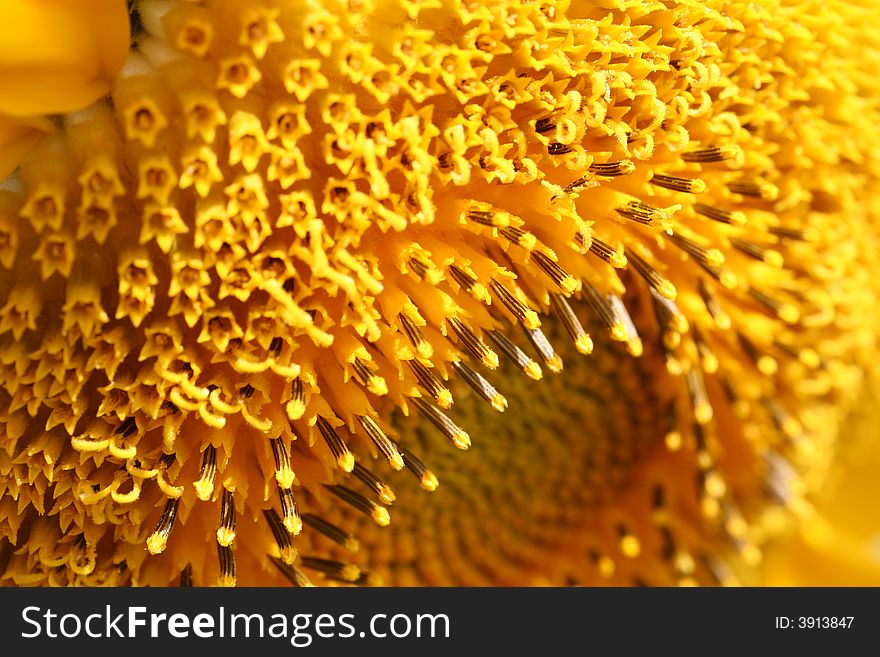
446,426
612,169
341,452
226,532
713,154
333,569
158,540
296,406
758,252
415,336
582,341
227,566
473,344
289,513
431,383
734,218
382,442
515,355
374,483
293,574
519,237
523,314
761,190
427,479
369,379
545,350
331,531
653,277
480,385
469,284
283,472
282,536
699,398
787,312
368,507
677,184
565,281
607,253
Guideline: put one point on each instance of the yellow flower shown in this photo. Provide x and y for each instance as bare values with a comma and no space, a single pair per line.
618,251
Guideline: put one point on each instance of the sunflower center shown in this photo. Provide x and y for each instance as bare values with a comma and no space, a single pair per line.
528,502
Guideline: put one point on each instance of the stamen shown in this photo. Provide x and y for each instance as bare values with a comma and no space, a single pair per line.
519,237
333,569
227,566
699,398
282,536
795,234
369,379
427,479
383,490
158,540
296,407
645,214
416,337
368,507
787,312
582,341
289,513
765,363
722,319
622,318
604,311
283,473
332,532
516,355
708,360
710,256
226,532
293,574
676,184
490,219
480,385
474,345
431,384
607,253
653,277
713,154
758,252
734,218
341,452
612,169
523,314
565,281
545,350
759,190
207,474
383,443
470,284
449,429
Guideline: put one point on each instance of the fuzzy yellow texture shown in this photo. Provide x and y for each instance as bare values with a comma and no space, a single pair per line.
296,217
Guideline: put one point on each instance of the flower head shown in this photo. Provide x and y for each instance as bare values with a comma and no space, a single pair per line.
294,223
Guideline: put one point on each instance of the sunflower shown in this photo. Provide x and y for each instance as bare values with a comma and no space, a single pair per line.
260,295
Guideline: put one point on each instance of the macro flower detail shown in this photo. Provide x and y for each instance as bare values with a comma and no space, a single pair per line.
55,56
263,295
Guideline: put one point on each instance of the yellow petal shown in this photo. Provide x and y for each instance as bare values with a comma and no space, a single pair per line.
59,55
17,138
